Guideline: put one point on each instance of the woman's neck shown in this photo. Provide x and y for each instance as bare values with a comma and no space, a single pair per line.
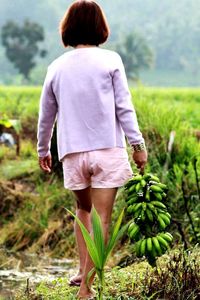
85,46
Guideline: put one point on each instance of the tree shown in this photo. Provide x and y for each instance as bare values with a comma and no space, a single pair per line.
136,55
21,43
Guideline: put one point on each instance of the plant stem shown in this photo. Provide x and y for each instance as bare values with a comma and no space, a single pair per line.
101,285
196,176
180,230
185,198
169,152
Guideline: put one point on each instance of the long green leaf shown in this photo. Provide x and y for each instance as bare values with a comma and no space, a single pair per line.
115,235
91,247
98,236
89,275
121,232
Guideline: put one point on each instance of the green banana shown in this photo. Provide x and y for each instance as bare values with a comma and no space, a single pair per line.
149,244
155,178
131,226
147,196
144,206
137,248
134,231
130,196
157,245
143,247
133,181
137,188
136,178
167,214
164,212
163,242
143,183
165,218
158,196
132,200
129,209
138,213
136,206
159,184
165,236
160,210
162,186
169,234
152,208
161,222
149,214
156,189
143,215
158,204
132,188
153,251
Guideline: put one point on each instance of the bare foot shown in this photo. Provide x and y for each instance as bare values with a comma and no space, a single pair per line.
75,280
85,294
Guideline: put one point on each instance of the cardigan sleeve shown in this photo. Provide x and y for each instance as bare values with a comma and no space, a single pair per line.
124,108
47,116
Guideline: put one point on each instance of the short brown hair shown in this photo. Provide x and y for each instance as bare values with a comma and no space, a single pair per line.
84,23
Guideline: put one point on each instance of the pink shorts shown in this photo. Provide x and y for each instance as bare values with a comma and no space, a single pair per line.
104,168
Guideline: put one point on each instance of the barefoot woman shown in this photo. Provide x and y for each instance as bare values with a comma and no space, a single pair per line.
86,91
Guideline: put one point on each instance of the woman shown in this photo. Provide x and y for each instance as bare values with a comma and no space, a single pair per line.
86,91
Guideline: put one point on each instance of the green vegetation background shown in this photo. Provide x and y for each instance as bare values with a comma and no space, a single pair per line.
32,215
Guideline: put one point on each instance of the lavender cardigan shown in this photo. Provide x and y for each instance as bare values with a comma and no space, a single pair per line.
86,91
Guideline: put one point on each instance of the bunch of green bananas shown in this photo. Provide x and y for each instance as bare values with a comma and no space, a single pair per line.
154,246
145,200
145,195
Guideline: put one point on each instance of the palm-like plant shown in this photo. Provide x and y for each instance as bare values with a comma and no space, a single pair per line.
98,250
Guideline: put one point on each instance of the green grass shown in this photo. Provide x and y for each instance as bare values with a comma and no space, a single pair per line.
17,169
168,108
169,280
19,102
22,102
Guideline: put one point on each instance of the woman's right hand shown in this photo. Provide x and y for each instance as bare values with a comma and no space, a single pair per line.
45,163
140,158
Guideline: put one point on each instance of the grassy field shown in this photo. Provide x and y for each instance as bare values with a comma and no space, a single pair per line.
35,201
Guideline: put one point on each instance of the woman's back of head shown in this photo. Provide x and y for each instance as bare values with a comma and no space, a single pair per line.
84,23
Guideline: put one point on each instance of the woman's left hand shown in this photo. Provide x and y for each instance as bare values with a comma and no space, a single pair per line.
140,158
45,163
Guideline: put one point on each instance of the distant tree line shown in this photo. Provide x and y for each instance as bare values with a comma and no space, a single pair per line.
21,45
171,29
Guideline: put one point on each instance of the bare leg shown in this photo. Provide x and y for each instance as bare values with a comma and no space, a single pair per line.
83,213
103,200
